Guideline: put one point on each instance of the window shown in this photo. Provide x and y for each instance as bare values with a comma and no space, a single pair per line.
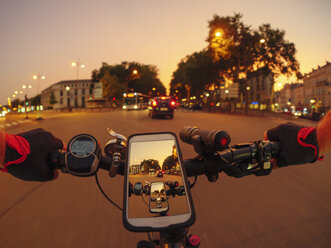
76,92
61,101
61,92
83,91
91,91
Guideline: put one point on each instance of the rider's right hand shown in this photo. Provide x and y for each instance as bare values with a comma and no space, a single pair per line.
298,144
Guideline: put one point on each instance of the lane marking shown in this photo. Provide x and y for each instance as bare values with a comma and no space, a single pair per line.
14,123
2,126
8,124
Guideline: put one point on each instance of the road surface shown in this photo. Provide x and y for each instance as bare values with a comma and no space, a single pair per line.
289,208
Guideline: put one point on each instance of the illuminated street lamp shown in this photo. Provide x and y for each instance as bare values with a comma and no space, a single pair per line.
135,72
38,77
78,65
262,41
218,34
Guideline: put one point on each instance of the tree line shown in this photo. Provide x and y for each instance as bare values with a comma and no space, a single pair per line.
234,51
128,77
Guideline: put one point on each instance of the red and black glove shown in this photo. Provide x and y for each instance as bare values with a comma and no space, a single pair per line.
298,144
27,155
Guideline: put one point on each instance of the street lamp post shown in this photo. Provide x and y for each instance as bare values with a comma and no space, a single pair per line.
246,100
26,88
78,65
38,77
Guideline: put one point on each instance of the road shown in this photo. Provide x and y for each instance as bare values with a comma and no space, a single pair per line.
289,208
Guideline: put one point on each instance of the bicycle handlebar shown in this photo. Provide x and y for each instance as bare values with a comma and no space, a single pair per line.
247,153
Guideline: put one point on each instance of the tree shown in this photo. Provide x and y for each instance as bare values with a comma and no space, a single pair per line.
242,49
35,100
194,74
150,164
232,45
276,53
52,99
128,76
170,163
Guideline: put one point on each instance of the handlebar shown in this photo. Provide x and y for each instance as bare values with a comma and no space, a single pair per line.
250,153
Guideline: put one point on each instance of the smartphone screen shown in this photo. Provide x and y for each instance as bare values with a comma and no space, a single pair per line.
158,198
153,161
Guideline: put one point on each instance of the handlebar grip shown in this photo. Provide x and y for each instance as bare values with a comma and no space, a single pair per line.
57,159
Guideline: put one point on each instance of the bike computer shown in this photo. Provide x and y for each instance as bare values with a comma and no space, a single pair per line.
83,155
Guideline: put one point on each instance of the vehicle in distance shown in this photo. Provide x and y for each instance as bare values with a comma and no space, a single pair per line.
162,106
134,101
159,173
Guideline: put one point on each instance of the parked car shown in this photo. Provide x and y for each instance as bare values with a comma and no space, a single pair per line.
162,106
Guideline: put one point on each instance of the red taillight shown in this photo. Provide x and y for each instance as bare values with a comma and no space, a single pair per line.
154,103
173,103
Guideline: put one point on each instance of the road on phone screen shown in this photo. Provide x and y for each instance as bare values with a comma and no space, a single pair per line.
289,208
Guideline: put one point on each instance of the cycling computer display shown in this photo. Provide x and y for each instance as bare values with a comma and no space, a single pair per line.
83,155
82,148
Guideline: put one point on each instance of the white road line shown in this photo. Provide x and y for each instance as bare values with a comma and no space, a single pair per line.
14,123
8,124
2,126
20,121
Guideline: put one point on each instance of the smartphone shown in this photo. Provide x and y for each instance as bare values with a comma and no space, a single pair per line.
155,160
158,203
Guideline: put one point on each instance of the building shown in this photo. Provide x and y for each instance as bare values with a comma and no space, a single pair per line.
67,94
317,89
291,97
258,89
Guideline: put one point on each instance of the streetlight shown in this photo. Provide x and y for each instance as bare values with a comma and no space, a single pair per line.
135,72
78,65
38,77
218,34
26,88
262,41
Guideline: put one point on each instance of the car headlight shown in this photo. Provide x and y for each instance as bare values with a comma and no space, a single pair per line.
124,107
135,106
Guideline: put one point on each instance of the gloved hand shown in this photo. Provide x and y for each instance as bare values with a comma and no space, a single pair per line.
298,144
28,155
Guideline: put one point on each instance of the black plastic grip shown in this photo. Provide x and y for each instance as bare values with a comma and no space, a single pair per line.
57,159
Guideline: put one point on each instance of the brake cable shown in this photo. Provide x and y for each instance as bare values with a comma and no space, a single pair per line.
104,194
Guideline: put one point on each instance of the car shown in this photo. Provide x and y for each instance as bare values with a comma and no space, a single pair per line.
160,173
162,106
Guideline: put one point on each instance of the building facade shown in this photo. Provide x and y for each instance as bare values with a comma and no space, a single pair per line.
67,94
317,89
259,89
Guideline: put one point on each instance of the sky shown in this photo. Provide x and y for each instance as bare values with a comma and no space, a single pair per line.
157,150
45,37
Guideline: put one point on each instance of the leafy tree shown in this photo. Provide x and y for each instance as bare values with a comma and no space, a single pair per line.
194,74
276,53
52,99
170,163
242,49
128,76
35,100
150,164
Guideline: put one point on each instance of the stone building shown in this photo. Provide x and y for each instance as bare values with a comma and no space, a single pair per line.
260,89
317,89
68,93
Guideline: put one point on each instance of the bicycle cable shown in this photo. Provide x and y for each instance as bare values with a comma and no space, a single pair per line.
104,194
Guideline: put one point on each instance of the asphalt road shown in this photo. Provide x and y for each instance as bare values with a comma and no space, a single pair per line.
289,208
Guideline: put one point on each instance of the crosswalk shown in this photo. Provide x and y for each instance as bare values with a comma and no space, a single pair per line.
5,125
